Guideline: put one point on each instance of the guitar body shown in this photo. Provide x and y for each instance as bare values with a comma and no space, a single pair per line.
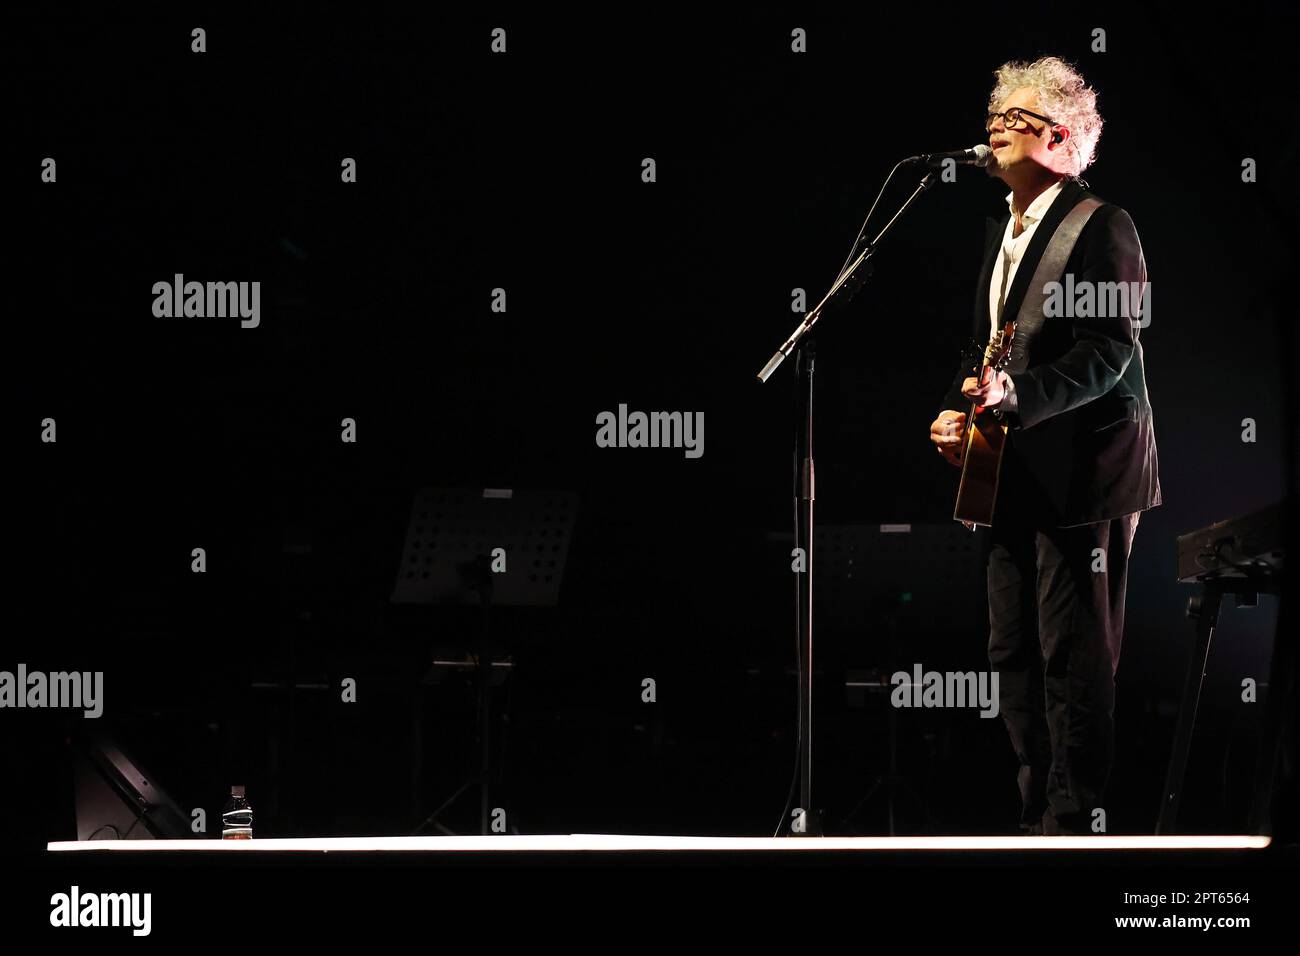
986,437
985,441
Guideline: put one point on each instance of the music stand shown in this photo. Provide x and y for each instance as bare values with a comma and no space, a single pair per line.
448,559
1232,549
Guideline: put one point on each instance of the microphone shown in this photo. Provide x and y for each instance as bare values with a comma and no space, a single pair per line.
979,155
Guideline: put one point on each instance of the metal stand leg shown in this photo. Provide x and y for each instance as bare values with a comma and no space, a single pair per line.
1205,611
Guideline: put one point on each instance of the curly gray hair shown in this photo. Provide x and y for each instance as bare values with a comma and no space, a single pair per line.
1062,95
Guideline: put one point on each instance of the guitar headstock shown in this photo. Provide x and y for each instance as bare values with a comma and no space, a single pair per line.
998,352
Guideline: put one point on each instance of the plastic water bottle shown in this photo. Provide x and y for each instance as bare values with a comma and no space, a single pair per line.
237,817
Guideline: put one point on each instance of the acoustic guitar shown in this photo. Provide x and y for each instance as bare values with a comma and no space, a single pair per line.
986,437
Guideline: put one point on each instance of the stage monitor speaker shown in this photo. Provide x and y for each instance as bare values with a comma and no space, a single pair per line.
117,798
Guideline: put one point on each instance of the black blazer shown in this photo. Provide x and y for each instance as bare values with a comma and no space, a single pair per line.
1084,433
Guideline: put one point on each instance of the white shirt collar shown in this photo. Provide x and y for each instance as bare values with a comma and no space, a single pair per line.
1038,208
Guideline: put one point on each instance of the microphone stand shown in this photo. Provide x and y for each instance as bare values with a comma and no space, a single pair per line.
843,289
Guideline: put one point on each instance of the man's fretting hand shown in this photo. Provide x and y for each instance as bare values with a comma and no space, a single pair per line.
990,395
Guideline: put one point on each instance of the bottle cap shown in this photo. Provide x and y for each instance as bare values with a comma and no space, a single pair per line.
236,791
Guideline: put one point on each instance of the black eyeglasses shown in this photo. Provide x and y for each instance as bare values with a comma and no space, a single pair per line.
1012,118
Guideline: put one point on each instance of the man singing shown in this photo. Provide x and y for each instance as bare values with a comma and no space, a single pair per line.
1080,459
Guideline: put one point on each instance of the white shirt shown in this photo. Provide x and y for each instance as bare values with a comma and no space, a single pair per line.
1013,250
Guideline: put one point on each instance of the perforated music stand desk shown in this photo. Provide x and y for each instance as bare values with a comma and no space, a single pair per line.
448,558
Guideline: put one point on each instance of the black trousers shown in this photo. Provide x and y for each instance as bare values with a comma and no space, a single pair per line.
1056,623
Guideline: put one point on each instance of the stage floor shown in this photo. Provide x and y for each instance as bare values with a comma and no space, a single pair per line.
621,843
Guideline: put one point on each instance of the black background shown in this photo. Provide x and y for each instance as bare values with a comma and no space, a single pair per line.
523,171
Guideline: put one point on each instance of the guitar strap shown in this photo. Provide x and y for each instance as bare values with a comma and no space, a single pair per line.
1050,269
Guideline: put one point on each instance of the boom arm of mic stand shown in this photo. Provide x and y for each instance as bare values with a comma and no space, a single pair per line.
845,287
